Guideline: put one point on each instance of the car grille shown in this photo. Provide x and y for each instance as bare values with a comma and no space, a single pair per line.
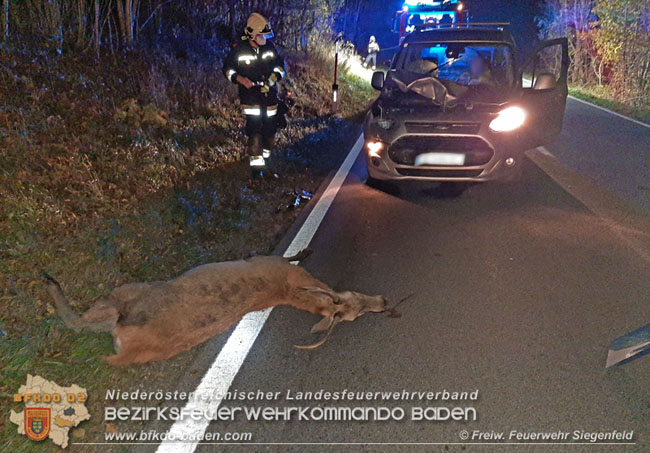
477,151
425,127
433,173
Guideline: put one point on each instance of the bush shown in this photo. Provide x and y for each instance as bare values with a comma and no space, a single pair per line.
609,44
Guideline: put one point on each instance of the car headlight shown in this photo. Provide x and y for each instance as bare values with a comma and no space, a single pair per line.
374,147
508,119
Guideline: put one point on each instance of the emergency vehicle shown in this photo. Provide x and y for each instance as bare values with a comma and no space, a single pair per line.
434,12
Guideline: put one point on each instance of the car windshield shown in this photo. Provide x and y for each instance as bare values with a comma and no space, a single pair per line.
481,64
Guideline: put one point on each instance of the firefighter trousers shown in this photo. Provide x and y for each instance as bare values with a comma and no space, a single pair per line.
372,57
261,126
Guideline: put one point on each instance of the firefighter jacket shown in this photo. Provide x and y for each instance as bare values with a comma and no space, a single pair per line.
373,48
262,65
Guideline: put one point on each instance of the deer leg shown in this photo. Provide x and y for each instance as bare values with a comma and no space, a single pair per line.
300,256
68,316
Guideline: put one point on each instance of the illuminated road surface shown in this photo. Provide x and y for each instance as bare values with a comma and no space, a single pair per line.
517,290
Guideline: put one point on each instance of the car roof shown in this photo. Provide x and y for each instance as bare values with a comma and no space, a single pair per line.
476,34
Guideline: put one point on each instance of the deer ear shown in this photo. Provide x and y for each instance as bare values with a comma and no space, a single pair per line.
323,324
328,292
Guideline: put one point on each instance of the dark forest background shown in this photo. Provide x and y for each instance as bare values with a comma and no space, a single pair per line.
610,41
91,24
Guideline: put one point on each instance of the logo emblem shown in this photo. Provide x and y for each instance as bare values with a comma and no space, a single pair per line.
37,422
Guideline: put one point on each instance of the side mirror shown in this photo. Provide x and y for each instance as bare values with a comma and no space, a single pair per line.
545,81
377,81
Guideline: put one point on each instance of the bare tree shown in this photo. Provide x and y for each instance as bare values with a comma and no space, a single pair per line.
572,18
5,19
85,24
81,22
96,38
127,13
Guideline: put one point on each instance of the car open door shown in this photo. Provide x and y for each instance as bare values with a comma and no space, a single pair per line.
544,82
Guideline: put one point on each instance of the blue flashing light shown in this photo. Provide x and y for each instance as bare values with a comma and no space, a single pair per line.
422,3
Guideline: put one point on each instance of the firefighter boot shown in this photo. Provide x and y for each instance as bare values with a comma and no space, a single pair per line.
267,153
256,160
267,147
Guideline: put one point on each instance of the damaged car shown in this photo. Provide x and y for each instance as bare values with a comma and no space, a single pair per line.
457,106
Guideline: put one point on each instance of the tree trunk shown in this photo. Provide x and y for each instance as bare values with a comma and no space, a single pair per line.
96,28
135,13
159,21
128,20
233,19
356,21
121,19
5,19
81,26
127,14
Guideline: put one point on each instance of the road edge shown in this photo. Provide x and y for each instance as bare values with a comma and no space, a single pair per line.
629,224
243,337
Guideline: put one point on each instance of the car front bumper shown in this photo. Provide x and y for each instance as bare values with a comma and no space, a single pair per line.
488,156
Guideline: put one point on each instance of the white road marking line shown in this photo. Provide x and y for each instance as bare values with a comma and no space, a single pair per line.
545,151
630,228
528,84
219,377
308,229
640,123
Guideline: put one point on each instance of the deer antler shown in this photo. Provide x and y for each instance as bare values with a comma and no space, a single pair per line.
392,311
320,343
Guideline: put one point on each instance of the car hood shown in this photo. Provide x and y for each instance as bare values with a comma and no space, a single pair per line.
408,89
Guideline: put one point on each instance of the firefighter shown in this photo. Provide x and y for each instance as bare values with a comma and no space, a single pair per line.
373,50
255,66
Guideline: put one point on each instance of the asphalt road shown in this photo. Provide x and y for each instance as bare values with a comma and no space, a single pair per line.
518,289
612,151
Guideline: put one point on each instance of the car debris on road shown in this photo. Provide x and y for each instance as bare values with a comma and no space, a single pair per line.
297,197
628,346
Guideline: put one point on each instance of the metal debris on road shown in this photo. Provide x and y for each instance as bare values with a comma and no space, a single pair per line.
628,346
297,197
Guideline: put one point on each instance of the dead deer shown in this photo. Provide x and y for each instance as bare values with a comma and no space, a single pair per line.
156,321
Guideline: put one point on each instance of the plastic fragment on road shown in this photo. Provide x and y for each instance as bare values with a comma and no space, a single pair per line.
628,346
297,197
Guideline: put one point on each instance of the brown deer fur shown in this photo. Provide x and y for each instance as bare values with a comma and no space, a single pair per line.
156,321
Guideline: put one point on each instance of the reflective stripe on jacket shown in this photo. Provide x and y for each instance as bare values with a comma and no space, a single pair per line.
260,65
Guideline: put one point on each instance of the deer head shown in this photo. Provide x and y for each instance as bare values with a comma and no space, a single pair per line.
344,306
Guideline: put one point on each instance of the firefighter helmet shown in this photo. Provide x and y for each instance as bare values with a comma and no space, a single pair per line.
258,25
372,39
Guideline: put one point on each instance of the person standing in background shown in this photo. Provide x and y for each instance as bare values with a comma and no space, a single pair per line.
373,50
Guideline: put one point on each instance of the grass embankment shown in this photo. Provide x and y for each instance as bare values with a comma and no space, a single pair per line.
603,96
127,170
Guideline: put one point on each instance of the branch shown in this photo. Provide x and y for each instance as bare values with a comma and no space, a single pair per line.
153,13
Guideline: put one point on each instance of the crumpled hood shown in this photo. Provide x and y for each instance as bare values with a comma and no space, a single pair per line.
408,89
